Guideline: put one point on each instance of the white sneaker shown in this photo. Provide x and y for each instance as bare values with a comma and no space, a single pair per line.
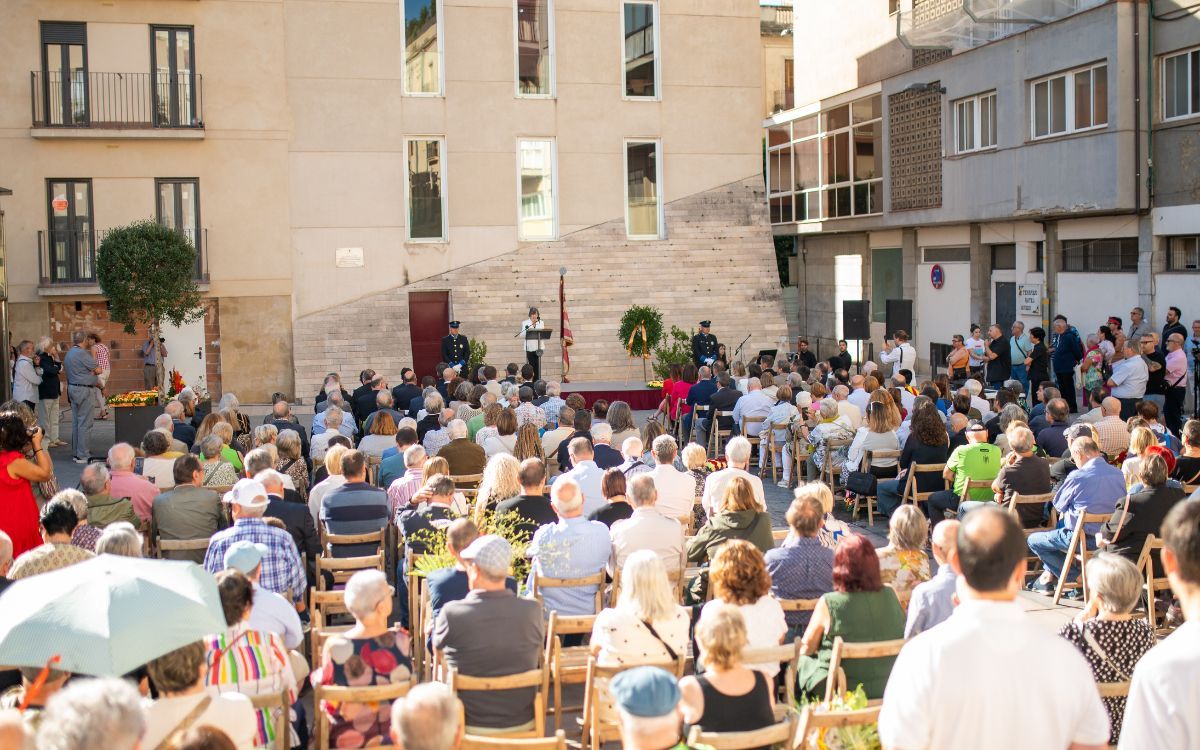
784,484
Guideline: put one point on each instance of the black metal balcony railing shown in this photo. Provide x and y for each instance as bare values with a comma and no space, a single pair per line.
116,100
68,257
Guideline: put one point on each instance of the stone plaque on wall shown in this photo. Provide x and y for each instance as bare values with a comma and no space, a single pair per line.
915,145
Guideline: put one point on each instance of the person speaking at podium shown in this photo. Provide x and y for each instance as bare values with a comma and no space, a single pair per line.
456,349
534,347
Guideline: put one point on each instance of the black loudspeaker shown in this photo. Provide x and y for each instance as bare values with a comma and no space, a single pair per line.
899,317
856,319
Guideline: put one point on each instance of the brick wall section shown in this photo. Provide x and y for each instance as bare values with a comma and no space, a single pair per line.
717,262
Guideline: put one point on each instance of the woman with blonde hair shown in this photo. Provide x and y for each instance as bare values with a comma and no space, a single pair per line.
224,430
737,518
120,538
230,409
646,625
501,481
529,443
382,436
739,578
265,434
903,562
290,462
504,439
206,427
490,416
728,696
333,465
1140,439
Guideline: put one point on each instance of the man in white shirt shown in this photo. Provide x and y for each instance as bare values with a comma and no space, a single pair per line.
1162,707
552,438
756,403
676,489
852,414
859,396
1128,380
959,685
647,528
586,474
737,454
974,388
179,676
901,355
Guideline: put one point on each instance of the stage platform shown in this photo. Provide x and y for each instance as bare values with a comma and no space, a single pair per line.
633,392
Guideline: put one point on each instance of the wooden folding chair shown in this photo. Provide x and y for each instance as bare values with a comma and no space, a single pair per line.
468,484
341,568
813,718
163,546
557,742
1014,504
911,495
1078,542
1153,584
784,732
339,694
869,500
829,471
330,540
567,664
277,706
698,411
756,440
541,582
835,683
801,450
531,678
779,534
322,605
787,654
717,437
597,731
766,453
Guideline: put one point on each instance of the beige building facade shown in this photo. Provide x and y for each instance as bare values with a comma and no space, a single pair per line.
332,157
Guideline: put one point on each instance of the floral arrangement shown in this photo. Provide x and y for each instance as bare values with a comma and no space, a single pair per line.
855,737
175,383
715,464
133,398
655,385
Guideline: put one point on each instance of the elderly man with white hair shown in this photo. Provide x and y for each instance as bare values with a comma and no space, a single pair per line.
332,418
631,454
103,507
427,719
463,455
847,410
552,438
676,489
756,403
648,528
737,454
933,601
572,548
604,454
401,492
345,427
585,474
183,429
89,709
166,426
554,403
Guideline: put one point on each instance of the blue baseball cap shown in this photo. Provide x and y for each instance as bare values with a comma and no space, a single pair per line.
245,556
648,692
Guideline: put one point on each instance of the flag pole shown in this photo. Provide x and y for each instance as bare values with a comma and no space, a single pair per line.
562,322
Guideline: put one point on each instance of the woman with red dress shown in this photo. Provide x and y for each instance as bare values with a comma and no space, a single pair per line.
18,510
674,372
679,406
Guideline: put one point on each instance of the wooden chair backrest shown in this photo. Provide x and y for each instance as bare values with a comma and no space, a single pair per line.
780,534
276,705
846,651
367,694
783,732
798,605
341,568
910,484
557,742
466,481
869,457
531,678
180,545
545,582
1019,499
329,539
974,484
811,719
1113,689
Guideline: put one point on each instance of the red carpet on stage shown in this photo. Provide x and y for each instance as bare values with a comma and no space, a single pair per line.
635,393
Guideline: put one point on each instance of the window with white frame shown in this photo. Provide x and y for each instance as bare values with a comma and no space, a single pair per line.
423,74
975,123
639,42
425,188
535,180
534,21
1181,84
643,191
827,165
1069,102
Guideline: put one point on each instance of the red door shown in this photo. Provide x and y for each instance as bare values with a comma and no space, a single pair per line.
428,316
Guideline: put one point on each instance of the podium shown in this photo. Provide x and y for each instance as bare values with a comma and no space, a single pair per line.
541,335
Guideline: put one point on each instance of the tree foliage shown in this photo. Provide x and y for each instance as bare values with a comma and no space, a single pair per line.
676,350
638,315
147,272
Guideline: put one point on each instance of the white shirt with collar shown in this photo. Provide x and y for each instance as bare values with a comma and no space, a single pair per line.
1161,710
676,491
753,404
959,685
715,484
648,529
1130,376
860,398
590,479
901,357
553,438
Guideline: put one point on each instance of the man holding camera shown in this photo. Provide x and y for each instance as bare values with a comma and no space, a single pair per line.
150,355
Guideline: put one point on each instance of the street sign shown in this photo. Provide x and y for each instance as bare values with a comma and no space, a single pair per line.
937,276
1029,299
59,204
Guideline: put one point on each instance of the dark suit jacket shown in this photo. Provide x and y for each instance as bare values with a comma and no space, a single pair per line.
464,456
430,422
416,405
299,522
564,456
403,394
1146,511
724,400
534,511
444,388
184,432
607,456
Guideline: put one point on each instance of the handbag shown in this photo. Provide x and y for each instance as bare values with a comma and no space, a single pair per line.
862,483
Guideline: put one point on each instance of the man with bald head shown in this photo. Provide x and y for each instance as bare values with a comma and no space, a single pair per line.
942,667
933,601
853,415
574,547
125,483
1113,432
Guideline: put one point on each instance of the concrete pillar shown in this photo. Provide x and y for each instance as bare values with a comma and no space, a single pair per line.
912,256
981,279
1152,260
1051,266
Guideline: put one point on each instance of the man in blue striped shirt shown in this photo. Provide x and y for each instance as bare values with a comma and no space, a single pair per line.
354,508
572,548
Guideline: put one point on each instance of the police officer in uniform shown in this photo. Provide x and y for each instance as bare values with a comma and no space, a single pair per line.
704,345
456,350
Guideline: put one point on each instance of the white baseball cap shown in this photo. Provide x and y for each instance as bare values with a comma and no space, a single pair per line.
248,494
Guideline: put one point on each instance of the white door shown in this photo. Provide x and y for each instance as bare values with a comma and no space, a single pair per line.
185,351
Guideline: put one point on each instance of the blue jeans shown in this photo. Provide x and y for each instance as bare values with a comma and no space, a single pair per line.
1020,373
1051,548
888,494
